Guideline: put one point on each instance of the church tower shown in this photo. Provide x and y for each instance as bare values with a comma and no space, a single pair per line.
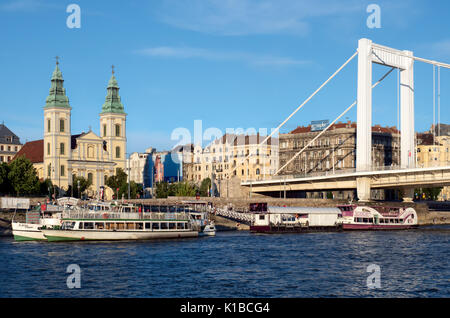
113,125
57,137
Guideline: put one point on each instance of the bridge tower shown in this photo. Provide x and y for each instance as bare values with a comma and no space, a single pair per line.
368,53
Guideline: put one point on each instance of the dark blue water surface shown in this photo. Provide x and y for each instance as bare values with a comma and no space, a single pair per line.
235,264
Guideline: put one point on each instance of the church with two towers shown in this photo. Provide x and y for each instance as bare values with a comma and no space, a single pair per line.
61,155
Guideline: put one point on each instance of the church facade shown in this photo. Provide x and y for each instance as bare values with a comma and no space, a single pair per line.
61,155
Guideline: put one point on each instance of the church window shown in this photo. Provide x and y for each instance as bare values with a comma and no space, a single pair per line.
61,149
48,148
90,152
104,130
49,170
48,125
90,177
63,171
117,130
61,125
117,152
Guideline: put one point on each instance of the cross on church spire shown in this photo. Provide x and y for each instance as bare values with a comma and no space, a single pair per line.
112,67
57,58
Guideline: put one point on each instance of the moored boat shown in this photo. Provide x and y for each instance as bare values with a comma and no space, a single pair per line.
114,226
378,218
270,219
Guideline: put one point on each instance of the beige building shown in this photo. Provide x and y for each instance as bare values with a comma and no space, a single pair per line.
433,151
61,156
232,157
9,144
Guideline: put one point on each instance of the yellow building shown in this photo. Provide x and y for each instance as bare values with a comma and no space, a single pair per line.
232,157
434,152
61,156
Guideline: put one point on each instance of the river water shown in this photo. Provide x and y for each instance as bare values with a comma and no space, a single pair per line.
235,264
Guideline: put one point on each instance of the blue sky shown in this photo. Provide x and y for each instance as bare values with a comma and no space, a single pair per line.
230,63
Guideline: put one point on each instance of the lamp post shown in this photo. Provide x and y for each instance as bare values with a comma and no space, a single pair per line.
128,172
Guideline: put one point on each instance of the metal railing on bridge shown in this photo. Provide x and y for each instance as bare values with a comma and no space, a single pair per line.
244,217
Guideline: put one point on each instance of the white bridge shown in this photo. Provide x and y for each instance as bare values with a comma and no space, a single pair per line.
365,177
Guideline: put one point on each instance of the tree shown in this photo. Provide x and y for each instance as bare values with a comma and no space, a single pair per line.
84,184
23,177
117,180
204,187
135,190
162,190
46,187
5,184
185,189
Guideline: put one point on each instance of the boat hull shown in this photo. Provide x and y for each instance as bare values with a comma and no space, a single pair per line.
375,227
292,229
92,235
27,232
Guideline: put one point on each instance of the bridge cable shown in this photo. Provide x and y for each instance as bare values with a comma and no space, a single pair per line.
301,106
439,101
332,123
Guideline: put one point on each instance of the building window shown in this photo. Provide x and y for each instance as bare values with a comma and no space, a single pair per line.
61,125
49,127
90,177
104,130
48,148
49,170
117,152
63,171
257,172
61,149
117,130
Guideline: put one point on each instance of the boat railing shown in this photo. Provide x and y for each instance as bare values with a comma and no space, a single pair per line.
124,216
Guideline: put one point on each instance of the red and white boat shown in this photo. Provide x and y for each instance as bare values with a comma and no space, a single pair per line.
377,218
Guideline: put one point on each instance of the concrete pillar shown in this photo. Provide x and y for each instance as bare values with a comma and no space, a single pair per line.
363,188
408,194
364,106
407,156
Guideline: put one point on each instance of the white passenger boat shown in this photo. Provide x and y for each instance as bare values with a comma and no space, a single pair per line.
43,215
114,226
378,218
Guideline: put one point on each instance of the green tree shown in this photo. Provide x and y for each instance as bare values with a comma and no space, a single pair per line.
46,187
23,177
432,193
204,187
5,184
135,190
185,189
162,190
117,181
84,184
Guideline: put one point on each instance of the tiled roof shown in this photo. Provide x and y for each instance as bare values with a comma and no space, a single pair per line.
6,134
340,125
33,150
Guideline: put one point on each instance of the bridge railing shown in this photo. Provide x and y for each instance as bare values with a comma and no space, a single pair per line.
337,172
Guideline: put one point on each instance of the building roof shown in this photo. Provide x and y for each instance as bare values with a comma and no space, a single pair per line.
6,134
32,150
426,139
239,140
340,125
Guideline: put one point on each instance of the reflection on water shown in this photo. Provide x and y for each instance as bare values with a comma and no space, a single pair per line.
235,264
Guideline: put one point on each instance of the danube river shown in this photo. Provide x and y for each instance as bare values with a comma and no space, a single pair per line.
235,264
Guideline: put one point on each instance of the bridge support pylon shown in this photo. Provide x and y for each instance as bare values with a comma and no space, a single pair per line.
363,189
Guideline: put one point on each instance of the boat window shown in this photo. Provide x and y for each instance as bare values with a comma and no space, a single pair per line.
88,225
154,208
130,226
120,226
163,226
172,226
262,217
381,220
139,226
147,225
401,220
80,226
396,220
370,220
391,220
109,226
155,226
172,208
68,225
180,226
163,208
99,225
